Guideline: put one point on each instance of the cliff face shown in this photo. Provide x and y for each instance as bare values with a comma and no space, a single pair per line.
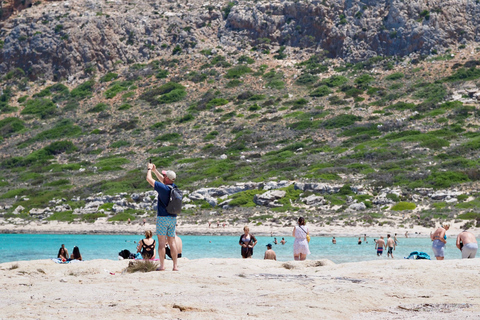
63,39
360,29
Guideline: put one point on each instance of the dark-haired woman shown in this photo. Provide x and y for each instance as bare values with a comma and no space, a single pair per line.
300,245
76,254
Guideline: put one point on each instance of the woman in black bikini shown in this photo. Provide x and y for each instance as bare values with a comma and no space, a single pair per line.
147,246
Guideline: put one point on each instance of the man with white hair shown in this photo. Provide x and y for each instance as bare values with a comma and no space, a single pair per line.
166,222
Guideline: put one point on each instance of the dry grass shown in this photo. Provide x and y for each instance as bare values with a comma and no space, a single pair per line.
141,266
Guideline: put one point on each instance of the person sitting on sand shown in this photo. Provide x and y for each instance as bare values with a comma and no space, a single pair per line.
467,244
62,253
439,240
270,254
283,241
179,244
147,246
379,244
247,241
76,254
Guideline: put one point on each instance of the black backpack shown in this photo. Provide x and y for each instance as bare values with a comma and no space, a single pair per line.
174,205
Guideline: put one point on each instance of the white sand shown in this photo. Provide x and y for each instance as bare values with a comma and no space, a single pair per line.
242,289
338,230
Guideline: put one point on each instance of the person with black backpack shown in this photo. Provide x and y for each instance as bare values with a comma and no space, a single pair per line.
168,206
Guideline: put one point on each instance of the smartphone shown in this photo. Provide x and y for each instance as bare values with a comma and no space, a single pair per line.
150,160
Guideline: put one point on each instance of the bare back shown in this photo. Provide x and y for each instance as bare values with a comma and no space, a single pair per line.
467,237
390,242
380,243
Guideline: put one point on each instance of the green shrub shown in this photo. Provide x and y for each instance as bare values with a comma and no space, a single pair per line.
237,72
334,81
62,129
109,77
469,216
56,183
119,144
306,79
463,74
92,217
245,59
233,83
122,216
162,74
321,91
117,87
10,126
83,90
217,102
125,106
364,81
168,93
44,108
98,108
244,198
14,193
403,206
343,120
433,92
66,216
111,163
59,147
395,76
169,137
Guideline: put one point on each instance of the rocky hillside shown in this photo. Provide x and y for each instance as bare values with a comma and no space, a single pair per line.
59,40
338,111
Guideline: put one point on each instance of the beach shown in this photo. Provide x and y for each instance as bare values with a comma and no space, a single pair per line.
230,288
242,289
196,228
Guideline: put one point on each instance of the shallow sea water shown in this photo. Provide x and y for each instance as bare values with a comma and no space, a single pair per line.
16,247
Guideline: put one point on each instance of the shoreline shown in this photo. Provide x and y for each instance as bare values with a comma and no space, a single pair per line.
276,230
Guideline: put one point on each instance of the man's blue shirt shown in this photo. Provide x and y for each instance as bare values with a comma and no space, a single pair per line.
163,199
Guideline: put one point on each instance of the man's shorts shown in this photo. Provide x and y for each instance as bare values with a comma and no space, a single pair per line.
469,250
390,250
166,226
380,250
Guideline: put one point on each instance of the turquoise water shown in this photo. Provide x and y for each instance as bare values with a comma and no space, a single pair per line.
16,247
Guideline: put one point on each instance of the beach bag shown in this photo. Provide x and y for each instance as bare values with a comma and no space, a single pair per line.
174,205
418,255
308,236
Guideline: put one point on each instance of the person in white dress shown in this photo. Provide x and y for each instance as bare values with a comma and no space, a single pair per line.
300,245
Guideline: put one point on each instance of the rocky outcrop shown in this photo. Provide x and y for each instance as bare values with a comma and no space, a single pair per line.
359,29
72,39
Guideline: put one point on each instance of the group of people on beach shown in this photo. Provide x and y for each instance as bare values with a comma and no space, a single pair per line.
300,245
466,243
63,254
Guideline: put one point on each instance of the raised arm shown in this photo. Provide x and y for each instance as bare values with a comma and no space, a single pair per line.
149,174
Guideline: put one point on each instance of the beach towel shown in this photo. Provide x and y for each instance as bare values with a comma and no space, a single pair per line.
418,255
58,260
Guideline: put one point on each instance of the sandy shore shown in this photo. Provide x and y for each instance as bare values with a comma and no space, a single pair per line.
104,227
242,289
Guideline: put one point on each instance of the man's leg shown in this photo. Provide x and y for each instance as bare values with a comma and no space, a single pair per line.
173,251
161,251
161,235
